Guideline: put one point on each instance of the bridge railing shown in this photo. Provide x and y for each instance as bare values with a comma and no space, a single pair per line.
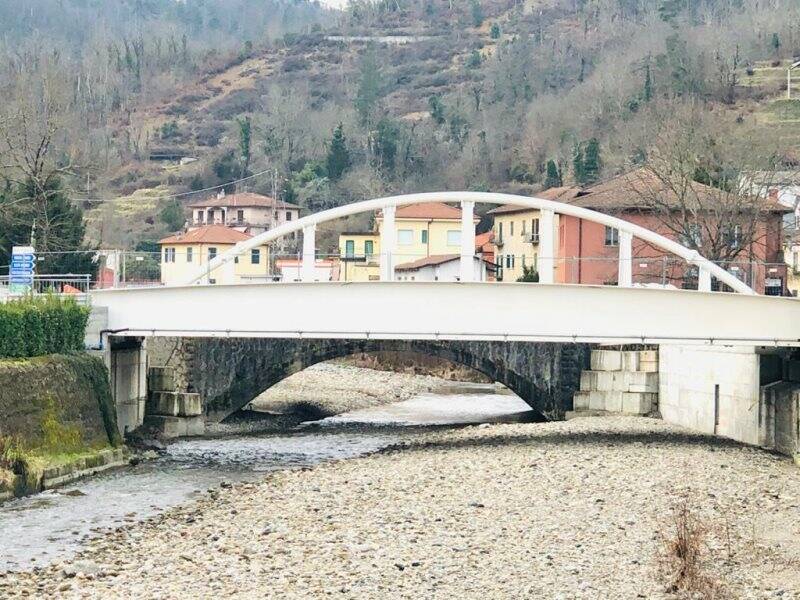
72,285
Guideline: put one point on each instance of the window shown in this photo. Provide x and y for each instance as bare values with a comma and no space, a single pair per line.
288,215
454,237
535,231
211,216
350,248
240,216
212,253
500,236
405,237
169,255
508,261
513,261
369,247
424,236
612,236
189,254
511,228
734,236
255,256
199,216
523,227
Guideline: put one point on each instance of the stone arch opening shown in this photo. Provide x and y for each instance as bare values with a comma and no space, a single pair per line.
228,373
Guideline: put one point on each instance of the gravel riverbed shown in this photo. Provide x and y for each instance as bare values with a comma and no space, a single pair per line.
324,390
575,509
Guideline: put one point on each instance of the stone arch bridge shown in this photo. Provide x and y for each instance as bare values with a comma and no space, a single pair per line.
228,373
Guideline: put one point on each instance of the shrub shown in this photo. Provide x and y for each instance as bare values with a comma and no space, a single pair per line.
39,326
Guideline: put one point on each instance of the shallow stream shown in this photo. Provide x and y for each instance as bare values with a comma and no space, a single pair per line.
55,524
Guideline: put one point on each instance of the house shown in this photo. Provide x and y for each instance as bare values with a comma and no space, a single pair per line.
184,253
588,253
516,235
291,269
446,267
245,211
421,231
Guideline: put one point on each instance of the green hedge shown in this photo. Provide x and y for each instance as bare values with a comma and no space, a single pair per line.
42,325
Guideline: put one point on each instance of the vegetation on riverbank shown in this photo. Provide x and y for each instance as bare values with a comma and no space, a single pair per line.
41,325
54,411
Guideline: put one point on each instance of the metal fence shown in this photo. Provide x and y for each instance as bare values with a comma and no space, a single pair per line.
72,286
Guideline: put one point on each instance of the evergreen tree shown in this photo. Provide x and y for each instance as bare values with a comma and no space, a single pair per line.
385,144
477,13
437,109
338,160
776,43
370,88
647,93
591,162
553,178
245,143
474,60
495,31
172,215
48,218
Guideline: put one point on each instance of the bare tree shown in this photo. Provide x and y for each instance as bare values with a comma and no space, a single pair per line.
699,180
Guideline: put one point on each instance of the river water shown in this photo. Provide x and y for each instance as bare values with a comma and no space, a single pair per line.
55,524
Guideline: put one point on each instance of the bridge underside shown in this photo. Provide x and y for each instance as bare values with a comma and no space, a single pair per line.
229,373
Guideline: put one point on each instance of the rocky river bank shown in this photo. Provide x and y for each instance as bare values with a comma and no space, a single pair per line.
577,509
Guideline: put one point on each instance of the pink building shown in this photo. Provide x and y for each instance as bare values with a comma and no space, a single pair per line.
588,252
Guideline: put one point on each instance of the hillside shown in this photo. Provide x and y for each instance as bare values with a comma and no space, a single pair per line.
434,94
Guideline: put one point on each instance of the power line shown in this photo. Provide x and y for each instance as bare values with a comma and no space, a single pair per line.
180,195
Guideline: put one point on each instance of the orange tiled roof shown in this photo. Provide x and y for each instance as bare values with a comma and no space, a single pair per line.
243,199
428,210
559,194
210,234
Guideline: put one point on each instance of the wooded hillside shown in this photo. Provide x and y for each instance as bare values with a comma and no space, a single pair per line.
386,96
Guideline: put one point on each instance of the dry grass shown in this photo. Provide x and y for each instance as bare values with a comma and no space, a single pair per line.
684,560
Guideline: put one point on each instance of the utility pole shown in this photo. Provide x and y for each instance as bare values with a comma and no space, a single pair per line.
789,79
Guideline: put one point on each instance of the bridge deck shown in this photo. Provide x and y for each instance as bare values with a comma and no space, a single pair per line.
453,311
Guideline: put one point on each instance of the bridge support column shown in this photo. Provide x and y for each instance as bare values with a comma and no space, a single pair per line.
467,241
387,244
308,269
546,247
625,276
704,280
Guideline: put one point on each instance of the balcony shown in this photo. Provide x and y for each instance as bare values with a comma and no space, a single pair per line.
533,238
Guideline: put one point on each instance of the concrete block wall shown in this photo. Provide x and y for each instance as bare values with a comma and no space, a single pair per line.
711,389
623,382
172,412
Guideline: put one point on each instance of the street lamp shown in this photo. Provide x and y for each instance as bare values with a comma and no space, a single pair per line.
789,79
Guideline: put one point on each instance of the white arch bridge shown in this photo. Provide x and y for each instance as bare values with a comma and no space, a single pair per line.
465,310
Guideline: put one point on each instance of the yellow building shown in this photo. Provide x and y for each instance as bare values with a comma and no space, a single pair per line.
359,256
516,240
421,231
516,235
184,253
791,256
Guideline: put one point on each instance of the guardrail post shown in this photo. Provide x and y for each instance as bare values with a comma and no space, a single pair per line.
467,240
546,247
388,239
625,276
309,253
